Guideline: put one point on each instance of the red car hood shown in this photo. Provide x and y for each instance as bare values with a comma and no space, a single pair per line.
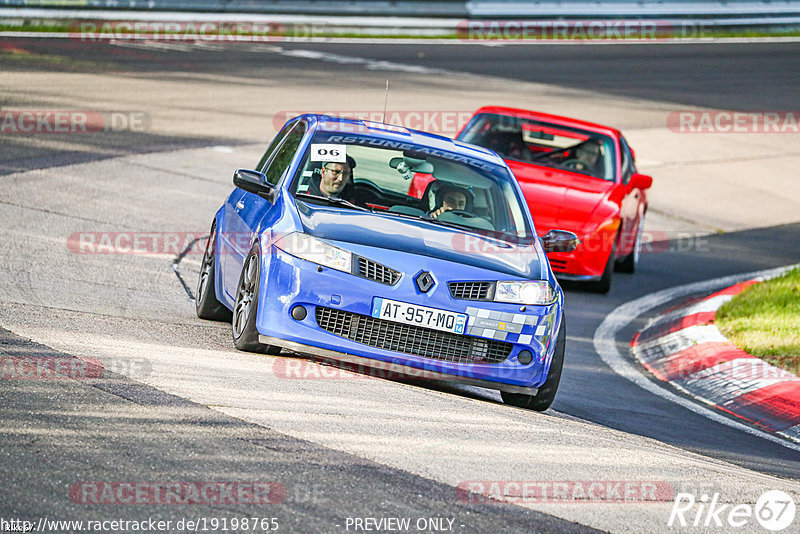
560,199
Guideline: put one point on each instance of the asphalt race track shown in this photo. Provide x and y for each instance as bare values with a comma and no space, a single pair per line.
740,76
183,405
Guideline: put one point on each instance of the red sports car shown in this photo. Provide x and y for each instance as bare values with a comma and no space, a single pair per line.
575,176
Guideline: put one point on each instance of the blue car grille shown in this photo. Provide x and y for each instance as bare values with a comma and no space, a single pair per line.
410,339
376,271
471,290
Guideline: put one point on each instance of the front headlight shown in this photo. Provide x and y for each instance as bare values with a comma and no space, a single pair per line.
311,249
538,292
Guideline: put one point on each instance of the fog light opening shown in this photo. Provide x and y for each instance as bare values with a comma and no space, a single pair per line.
525,357
299,313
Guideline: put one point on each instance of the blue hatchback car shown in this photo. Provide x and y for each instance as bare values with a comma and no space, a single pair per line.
321,250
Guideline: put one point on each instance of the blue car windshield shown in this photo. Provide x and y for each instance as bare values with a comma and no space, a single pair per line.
408,180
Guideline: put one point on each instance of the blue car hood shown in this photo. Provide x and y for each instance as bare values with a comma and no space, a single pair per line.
422,238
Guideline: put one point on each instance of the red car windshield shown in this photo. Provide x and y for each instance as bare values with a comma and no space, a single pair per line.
542,143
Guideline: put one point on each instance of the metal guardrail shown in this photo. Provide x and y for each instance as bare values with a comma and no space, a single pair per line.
442,14
632,8
403,8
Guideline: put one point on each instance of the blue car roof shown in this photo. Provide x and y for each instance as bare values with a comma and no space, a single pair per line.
328,123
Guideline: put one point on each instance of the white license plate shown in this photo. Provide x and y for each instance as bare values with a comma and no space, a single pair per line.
402,312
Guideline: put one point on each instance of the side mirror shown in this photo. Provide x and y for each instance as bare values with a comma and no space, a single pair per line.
253,182
640,181
560,241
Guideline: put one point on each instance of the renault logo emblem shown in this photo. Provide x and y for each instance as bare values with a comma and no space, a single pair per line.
425,281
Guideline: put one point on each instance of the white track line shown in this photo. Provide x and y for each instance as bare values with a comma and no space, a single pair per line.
606,346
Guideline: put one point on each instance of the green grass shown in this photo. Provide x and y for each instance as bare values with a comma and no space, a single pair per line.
764,320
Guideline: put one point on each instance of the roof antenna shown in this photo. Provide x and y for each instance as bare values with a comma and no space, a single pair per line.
385,102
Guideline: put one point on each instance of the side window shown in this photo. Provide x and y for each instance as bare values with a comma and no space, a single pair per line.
628,166
285,154
272,146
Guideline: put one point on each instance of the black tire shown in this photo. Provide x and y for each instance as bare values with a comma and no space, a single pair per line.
631,261
544,397
206,304
604,284
245,310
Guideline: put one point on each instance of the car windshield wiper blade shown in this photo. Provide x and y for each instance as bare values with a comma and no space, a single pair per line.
446,223
333,200
426,218
463,228
423,217
470,229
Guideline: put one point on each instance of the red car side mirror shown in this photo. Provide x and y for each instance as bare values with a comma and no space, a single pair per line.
640,181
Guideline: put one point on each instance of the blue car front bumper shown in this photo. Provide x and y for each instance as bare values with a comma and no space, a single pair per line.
287,282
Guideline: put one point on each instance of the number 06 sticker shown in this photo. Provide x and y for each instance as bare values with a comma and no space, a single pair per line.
326,152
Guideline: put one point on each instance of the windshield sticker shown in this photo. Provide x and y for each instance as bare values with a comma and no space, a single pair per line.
328,152
400,145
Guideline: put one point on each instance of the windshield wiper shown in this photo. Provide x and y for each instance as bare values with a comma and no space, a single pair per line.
428,218
333,200
446,223
472,230
463,228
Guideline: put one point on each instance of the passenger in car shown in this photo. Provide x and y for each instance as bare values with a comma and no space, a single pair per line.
509,145
451,198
